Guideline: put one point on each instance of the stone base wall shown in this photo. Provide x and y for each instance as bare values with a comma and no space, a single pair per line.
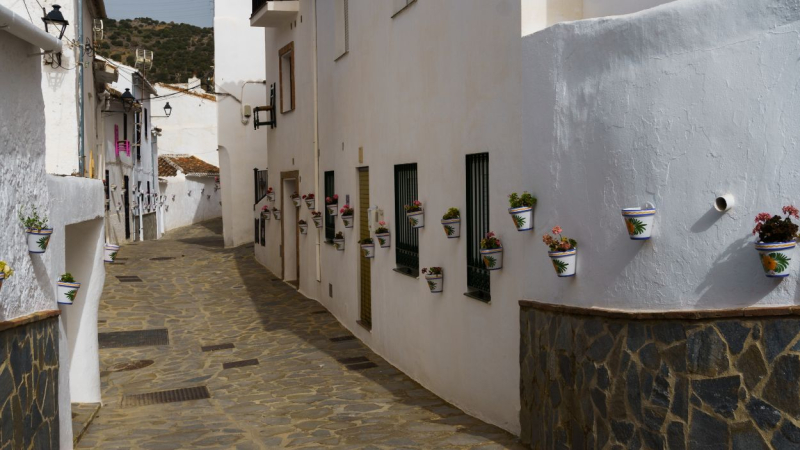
590,382
29,382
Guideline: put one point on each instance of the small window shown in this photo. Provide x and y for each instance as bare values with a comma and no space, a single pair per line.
146,125
405,192
342,28
330,221
286,67
137,138
263,232
399,5
477,218
124,127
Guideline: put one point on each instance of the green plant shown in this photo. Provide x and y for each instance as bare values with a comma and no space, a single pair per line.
339,235
43,241
366,241
449,230
519,221
6,269
32,220
432,271
558,242
518,201
774,228
490,241
415,206
347,210
381,228
67,278
301,222
452,213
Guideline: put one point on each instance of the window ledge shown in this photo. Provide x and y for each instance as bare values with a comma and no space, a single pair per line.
479,296
341,56
366,326
406,272
404,8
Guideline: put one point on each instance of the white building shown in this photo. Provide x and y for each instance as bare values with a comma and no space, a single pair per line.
191,127
190,190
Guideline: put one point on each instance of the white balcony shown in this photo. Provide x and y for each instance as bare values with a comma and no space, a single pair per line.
271,14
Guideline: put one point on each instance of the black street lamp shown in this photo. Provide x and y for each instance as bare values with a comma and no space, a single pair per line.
55,19
167,109
127,100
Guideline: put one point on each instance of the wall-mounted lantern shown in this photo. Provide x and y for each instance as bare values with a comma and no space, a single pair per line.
168,109
56,20
127,100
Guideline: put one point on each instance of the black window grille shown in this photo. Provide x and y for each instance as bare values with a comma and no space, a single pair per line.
407,238
477,215
124,127
108,193
146,125
256,231
137,138
330,221
263,231
260,183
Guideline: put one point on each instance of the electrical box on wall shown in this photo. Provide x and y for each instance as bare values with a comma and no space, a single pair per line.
248,111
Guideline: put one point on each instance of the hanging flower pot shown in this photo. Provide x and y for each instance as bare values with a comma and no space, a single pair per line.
67,289
639,222
435,278
332,203
415,214
110,252
338,241
296,200
303,226
451,222
777,241
776,257
492,251
521,210
270,195
38,239
382,235
347,216
277,213
563,252
368,247
5,272
316,216
310,201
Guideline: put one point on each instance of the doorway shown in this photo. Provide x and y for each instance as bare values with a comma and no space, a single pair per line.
365,288
127,202
290,239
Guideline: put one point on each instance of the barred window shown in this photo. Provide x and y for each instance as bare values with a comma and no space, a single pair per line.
330,221
477,218
407,238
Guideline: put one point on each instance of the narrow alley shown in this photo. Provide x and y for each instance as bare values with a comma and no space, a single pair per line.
299,379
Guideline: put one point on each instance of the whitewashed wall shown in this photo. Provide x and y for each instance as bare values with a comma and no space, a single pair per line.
239,57
189,200
540,14
192,127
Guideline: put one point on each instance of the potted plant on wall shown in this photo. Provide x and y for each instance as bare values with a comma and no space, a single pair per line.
435,278
316,216
303,226
368,247
347,216
265,212
277,213
338,241
110,252
296,199
67,289
777,238
270,194
451,222
415,214
521,210
5,272
563,252
382,235
332,203
36,228
310,201
492,251
639,222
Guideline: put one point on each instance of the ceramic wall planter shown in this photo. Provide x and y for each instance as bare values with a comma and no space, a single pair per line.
435,283
271,196
384,239
639,222
2,278
310,202
333,209
303,228
67,292
277,214
266,216
416,218
110,253
564,262
522,217
339,244
347,221
776,258
296,201
452,228
317,221
38,240
369,250
492,258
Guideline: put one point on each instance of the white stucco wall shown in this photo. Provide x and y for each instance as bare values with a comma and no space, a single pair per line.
695,112
189,200
192,127
540,14
239,57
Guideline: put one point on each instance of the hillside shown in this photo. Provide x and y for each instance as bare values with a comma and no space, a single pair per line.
180,50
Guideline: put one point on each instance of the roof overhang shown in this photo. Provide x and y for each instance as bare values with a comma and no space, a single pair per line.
275,14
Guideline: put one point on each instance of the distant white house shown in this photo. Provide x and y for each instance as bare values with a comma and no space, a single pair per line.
190,190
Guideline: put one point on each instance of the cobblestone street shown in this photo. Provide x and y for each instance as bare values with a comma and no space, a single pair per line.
304,390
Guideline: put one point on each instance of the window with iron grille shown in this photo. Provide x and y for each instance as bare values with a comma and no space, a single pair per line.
263,231
406,237
330,221
342,28
260,182
256,231
477,218
137,119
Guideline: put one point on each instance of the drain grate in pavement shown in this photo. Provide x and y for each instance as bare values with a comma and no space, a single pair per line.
356,359
361,366
132,365
129,279
245,363
213,348
171,396
162,258
319,312
138,338
342,338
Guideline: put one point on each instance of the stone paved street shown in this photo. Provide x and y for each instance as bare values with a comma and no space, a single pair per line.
298,395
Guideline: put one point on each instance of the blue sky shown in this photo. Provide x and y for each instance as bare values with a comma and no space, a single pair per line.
195,12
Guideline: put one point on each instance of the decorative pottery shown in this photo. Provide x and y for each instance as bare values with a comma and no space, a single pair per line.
277,214
348,221
522,217
639,222
67,292
452,228
296,201
369,250
416,218
776,257
38,240
333,209
435,283
317,221
271,197
110,252
266,215
384,239
303,228
2,278
339,244
492,258
311,202
564,262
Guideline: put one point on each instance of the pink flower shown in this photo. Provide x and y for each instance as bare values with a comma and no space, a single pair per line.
336,196
264,208
790,210
565,246
304,197
763,217
557,230
757,229
490,234
382,223
547,239
417,203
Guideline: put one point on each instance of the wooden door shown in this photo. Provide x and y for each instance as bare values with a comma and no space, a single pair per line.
363,225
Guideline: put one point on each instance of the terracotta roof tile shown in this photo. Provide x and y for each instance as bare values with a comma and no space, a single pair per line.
165,169
168,166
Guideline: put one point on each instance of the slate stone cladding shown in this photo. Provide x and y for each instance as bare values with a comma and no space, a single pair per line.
29,386
610,383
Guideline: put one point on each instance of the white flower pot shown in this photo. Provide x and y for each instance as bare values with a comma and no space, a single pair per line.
310,202
296,201
67,292
2,278
271,197
639,222
303,228
348,221
38,240
265,215
384,239
452,228
110,252
435,283
416,218
492,258
339,244
564,263
523,217
317,221
776,257
369,250
277,214
333,209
